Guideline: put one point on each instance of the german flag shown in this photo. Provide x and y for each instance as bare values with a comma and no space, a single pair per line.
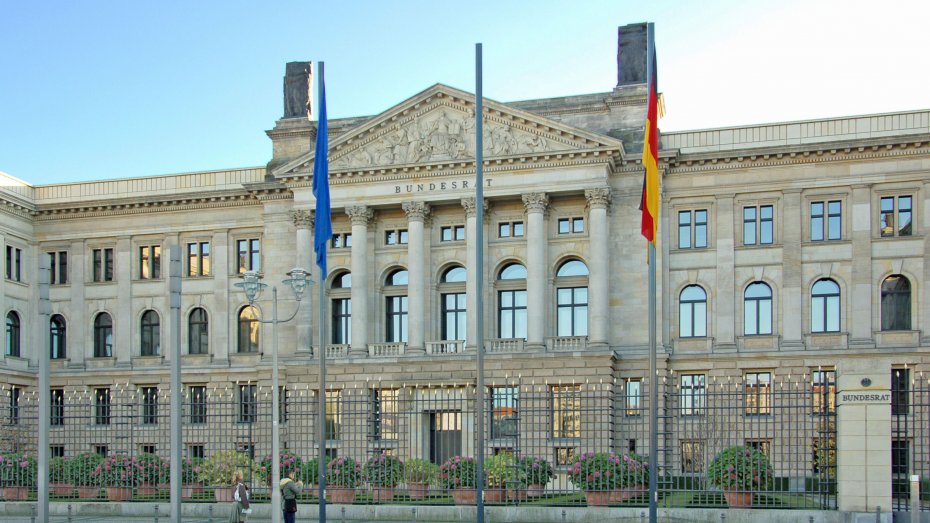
650,199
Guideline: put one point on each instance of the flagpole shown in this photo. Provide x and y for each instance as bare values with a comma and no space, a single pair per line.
321,398
479,260
653,374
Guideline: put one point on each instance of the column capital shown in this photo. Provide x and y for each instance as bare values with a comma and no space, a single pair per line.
598,198
536,202
471,206
360,214
416,210
303,219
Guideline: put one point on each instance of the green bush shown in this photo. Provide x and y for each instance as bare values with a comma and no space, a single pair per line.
80,469
118,470
344,472
57,471
537,470
502,471
310,470
458,472
741,468
595,471
287,462
633,470
154,469
420,471
17,470
384,471
217,470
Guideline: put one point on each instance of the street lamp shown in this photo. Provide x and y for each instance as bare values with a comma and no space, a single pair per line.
253,286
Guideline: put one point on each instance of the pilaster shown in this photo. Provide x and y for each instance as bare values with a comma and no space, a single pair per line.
303,221
724,306
77,348
122,314
537,205
860,303
792,295
223,321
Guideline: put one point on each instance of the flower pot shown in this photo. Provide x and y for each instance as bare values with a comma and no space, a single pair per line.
536,490
223,494
146,489
516,494
597,498
60,489
15,493
417,490
737,498
494,495
619,495
342,495
382,494
464,496
119,493
87,492
189,490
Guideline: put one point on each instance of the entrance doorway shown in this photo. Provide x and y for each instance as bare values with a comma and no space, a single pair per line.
445,435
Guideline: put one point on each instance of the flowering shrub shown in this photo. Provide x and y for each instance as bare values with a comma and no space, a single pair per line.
633,470
80,469
741,468
458,472
218,469
310,470
56,470
191,468
287,462
343,472
118,470
17,470
152,469
595,472
502,472
538,471
420,471
384,471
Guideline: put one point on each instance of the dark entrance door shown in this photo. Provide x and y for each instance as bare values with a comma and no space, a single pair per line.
445,435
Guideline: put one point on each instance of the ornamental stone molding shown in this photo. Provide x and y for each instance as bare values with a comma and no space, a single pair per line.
471,206
598,198
360,214
536,202
416,210
303,219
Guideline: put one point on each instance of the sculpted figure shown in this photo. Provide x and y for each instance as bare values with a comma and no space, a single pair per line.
533,143
383,153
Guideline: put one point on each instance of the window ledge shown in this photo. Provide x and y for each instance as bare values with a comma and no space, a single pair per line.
100,362
505,345
886,339
196,359
753,343
693,345
827,340
245,358
15,362
147,361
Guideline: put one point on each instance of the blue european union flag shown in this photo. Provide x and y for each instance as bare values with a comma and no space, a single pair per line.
323,226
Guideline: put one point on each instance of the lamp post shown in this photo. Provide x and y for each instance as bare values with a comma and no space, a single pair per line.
253,286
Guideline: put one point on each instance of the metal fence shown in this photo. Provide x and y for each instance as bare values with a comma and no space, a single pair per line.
547,444
910,434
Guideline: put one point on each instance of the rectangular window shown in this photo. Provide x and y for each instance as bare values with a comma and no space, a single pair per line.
15,393
56,451
342,240
384,408
692,457
454,316
762,445
103,265
283,396
895,218
148,448
900,459
452,233
57,412
198,404
396,237
758,225
510,230
249,252
342,321
150,262
333,414
571,225
196,452
692,394
824,391
101,450
758,393
149,405
564,456
58,268
14,263
102,406
692,229
503,408
566,411
396,312
826,227
633,397
248,403
900,401
198,259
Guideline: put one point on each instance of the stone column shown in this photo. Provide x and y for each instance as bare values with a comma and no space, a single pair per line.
303,221
536,267
724,298
863,436
792,295
123,314
77,346
598,266
859,321
417,213
472,266
361,216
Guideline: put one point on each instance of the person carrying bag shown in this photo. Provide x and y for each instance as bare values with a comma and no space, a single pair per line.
242,509
290,489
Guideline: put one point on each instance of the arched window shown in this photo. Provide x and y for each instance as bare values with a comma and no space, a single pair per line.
692,312
757,309
12,334
342,309
454,310
248,330
572,299
103,336
511,302
198,332
825,306
151,334
896,303
396,306
57,338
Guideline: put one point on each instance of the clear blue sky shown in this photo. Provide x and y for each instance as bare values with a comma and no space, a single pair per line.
104,89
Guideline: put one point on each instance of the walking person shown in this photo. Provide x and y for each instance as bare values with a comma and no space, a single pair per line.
242,508
290,489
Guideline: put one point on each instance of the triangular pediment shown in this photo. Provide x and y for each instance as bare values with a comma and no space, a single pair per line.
437,127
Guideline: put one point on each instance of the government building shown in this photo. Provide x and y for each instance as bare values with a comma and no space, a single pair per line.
791,261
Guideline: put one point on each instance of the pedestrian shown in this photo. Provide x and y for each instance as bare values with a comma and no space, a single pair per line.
242,508
290,489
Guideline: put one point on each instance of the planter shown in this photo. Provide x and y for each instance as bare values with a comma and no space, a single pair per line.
119,493
15,493
60,489
464,496
516,494
417,490
341,495
87,492
382,494
626,493
189,490
738,498
223,494
536,490
494,495
146,489
597,498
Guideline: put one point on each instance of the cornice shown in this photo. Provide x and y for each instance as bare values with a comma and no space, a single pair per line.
101,209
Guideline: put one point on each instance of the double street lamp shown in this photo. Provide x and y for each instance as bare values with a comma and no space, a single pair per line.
252,286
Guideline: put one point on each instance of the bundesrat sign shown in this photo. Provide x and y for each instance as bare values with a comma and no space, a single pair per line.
864,397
